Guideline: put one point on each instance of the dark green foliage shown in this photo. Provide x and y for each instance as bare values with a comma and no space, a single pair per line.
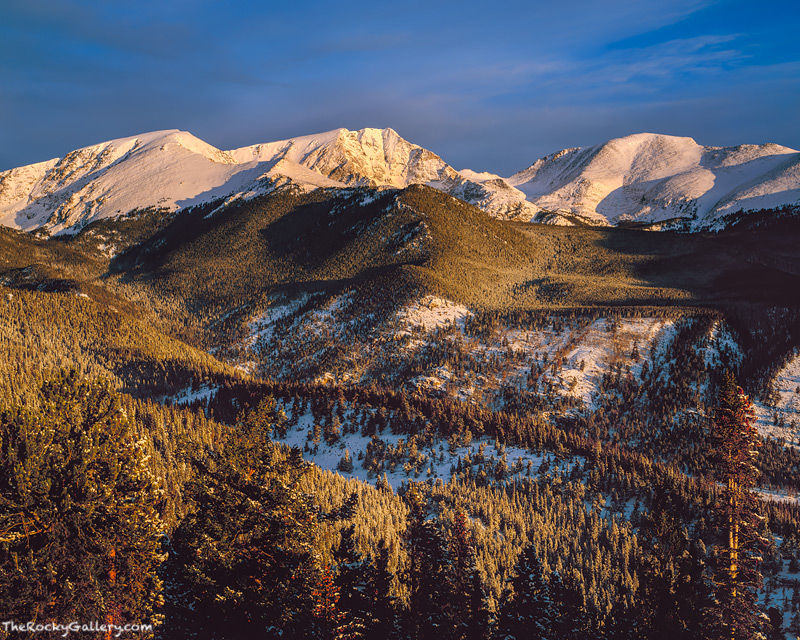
774,630
571,616
674,578
427,572
737,577
383,604
529,610
354,581
80,531
244,560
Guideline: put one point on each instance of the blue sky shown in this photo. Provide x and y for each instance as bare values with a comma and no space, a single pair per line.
486,85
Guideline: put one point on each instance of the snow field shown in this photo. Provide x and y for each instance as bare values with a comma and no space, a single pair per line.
643,177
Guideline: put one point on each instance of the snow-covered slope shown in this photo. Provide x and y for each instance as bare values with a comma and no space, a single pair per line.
643,178
169,169
174,169
651,178
781,418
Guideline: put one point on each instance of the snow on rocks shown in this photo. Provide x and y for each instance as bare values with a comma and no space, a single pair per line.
651,178
560,359
646,178
173,169
431,312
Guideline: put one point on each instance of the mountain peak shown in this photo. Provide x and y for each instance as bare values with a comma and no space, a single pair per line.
650,177
645,177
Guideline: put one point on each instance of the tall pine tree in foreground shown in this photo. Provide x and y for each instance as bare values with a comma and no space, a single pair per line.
427,572
382,603
570,619
735,614
353,584
244,563
528,610
80,532
467,605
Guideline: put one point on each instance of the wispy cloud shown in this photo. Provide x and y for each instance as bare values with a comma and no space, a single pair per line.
485,87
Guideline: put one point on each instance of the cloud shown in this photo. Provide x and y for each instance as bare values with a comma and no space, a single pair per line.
485,87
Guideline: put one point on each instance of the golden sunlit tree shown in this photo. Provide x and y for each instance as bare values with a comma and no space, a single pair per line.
735,443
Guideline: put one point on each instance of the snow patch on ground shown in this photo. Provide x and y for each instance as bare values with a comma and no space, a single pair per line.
439,459
721,347
562,358
782,420
190,395
431,312
262,326
773,495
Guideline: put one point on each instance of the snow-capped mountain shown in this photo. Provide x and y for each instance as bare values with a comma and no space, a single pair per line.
651,178
174,169
642,178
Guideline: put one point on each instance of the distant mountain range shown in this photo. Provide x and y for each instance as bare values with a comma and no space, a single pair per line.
647,180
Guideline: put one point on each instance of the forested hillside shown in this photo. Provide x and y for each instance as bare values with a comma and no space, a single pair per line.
359,413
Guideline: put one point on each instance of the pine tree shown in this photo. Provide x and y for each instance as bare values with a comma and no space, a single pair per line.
468,607
244,560
527,612
672,578
328,622
480,615
463,569
382,484
570,620
383,624
735,443
345,463
775,624
352,581
80,533
427,572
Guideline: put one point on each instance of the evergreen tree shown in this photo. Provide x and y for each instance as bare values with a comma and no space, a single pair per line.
383,623
735,443
382,484
528,612
327,619
672,578
427,572
480,615
463,570
570,620
80,533
79,527
244,562
345,463
624,622
775,624
352,581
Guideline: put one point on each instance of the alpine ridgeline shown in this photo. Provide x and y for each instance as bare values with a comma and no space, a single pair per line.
645,180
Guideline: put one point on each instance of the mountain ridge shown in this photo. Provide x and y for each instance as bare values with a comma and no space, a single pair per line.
653,177
646,178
